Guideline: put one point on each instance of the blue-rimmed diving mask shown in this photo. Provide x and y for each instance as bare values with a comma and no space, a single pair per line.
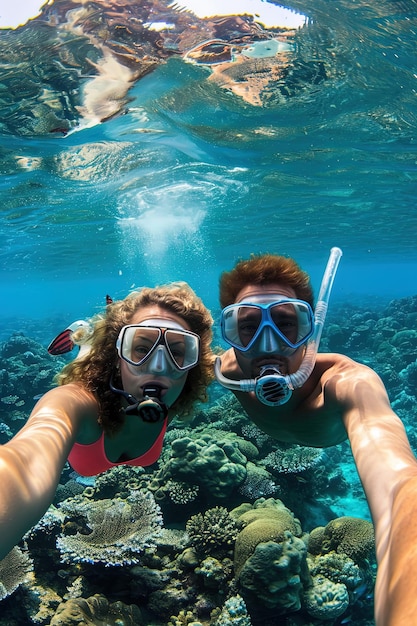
267,324
165,351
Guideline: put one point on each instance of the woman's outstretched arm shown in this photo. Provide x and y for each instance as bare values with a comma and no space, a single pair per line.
31,463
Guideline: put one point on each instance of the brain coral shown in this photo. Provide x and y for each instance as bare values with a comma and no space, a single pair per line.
96,611
352,536
267,520
119,529
325,599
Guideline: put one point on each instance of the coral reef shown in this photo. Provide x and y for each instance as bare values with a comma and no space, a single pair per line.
348,535
217,467
27,371
118,530
15,569
213,532
325,599
275,574
233,613
96,611
292,459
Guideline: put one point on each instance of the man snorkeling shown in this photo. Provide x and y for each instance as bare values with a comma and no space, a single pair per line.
299,396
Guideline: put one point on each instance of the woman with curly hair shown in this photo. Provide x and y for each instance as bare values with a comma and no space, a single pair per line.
144,361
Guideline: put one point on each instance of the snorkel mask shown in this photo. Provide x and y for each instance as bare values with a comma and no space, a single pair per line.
279,326
147,348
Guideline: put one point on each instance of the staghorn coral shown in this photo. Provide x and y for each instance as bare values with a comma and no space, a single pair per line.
352,536
181,492
15,569
96,611
325,599
119,530
213,533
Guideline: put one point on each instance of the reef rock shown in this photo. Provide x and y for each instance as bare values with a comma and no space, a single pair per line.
96,611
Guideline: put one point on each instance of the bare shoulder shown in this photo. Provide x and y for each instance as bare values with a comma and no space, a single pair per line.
332,363
347,380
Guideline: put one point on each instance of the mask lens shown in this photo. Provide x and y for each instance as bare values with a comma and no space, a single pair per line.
183,348
249,319
292,320
138,342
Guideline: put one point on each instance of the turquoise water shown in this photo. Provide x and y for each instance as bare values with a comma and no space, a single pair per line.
188,176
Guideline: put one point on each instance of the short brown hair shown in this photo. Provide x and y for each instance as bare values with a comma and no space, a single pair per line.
265,269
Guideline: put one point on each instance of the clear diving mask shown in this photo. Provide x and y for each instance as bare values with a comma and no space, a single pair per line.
148,348
278,326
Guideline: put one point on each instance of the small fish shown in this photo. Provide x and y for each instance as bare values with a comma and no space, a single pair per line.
62,343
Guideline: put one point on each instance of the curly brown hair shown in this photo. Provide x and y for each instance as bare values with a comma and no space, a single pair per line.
99,365
264,269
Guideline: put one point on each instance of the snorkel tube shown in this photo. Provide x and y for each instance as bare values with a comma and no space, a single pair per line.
271,387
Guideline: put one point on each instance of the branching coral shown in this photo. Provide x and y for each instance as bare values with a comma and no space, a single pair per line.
119,530
292,459
15,569
181,492
213,533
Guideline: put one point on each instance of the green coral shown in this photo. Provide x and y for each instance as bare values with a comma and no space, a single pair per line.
213,533
218,467
339,568
274,574
233,613
352,536
96,611
267,520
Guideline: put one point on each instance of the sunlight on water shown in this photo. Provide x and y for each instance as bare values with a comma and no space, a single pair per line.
264,12
157,233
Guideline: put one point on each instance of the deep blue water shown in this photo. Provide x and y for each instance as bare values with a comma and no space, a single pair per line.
190,177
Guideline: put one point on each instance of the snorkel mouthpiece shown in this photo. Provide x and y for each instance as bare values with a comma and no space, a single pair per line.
151,409
271,387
